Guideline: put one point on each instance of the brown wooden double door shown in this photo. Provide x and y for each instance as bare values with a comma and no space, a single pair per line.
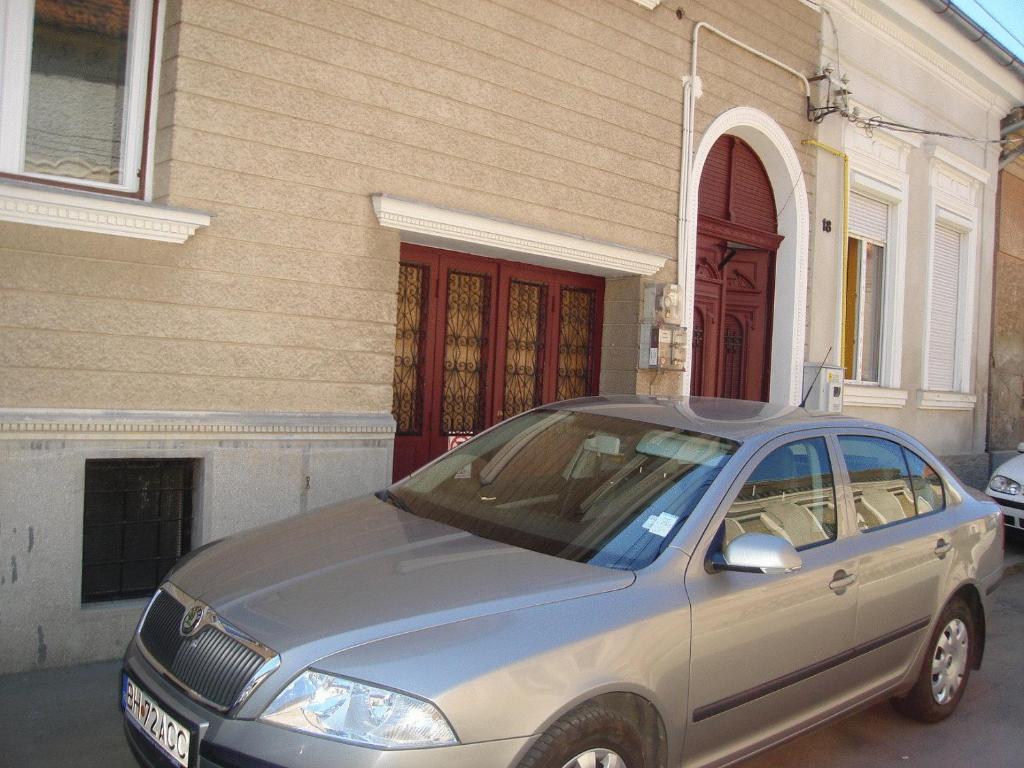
732,312
479,340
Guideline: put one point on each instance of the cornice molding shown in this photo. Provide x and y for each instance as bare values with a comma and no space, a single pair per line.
913,44
37,423
431,225
87,212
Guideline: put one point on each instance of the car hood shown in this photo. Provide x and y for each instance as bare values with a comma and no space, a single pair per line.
364,570
1012,468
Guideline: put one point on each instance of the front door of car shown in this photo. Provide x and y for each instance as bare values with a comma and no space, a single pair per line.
766,650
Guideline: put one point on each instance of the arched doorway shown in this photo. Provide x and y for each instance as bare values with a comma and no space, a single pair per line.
737,242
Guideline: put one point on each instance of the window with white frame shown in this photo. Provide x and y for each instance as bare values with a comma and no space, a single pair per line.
863,288
946,351
75,79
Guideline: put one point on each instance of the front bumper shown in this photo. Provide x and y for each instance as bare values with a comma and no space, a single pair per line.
1013,510
230,743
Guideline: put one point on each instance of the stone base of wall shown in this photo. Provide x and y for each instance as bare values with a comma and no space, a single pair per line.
972,468
251,469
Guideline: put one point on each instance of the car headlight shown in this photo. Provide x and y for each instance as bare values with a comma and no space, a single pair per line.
1005,485
337,708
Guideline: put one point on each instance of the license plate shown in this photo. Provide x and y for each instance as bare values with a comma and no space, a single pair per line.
142,711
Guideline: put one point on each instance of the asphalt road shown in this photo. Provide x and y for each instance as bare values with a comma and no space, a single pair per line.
69,718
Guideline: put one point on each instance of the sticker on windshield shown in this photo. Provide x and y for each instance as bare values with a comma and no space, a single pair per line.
660,525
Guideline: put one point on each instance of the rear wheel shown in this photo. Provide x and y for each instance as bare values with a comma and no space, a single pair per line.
943,677
589,737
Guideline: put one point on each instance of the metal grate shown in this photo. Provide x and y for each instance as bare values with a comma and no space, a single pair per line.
137,523
212,664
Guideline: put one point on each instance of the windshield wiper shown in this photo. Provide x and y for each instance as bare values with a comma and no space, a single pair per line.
387,495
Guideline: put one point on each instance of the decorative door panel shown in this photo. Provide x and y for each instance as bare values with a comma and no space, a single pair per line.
732,321
463,378
524,335
479,340
576,351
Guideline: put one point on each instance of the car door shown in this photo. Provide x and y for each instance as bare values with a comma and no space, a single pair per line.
903,539
766,650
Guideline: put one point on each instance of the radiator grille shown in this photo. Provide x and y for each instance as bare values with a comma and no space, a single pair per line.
211,663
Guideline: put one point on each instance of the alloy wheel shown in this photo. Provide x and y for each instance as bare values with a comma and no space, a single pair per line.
596,758
949,662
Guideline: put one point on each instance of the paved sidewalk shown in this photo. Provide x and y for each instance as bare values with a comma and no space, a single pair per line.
69,718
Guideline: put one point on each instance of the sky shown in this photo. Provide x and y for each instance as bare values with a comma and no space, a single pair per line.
1002,19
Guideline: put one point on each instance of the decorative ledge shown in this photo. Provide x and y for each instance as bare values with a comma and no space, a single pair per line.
426,224
948,401
873,397
42,423
89,212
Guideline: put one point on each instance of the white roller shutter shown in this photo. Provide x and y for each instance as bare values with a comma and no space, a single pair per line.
869,218
945,304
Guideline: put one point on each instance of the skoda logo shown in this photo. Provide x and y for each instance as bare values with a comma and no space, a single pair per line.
192,619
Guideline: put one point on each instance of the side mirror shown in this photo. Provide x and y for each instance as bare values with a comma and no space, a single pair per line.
1020,447
757,553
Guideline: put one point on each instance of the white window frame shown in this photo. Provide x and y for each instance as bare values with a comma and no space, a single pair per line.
879,169
955,203
16,18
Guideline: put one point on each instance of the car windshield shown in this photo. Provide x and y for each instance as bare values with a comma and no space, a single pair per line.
579,486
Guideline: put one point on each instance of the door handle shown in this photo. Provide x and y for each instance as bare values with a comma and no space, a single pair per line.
841,580
941,548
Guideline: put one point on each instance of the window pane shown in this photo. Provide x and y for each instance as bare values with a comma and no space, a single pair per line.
791,494
871,311
928,490
878,479
77,89
851,290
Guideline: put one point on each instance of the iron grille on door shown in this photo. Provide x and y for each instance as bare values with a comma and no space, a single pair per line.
407,405
137,523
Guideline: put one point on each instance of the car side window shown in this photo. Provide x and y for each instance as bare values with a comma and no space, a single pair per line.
790,494
879,480
928,491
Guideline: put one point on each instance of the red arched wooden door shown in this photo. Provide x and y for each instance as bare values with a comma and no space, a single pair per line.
737,237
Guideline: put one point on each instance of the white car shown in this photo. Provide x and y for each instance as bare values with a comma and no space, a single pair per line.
1007,487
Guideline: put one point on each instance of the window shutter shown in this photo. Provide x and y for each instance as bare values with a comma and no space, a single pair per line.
942,315
869,218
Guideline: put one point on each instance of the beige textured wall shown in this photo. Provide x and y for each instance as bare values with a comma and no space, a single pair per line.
280,119
1006,418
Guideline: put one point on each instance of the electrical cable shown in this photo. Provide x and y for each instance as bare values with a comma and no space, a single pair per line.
869,123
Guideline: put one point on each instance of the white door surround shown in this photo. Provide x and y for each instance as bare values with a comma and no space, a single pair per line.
782,165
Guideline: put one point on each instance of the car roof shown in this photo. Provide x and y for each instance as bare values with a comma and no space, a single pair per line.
737,420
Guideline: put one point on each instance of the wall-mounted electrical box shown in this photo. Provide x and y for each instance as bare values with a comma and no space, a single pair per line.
662,337
825,393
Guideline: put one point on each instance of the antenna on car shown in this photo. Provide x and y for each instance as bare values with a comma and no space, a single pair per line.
817,373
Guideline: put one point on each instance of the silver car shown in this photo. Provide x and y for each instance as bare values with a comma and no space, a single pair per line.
617,582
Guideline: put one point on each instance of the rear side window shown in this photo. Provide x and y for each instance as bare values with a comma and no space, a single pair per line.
928,491
889,483
790,494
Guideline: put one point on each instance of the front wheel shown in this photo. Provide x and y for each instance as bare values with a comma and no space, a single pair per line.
589,737
943,677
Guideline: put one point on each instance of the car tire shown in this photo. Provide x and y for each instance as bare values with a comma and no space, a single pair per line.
589,735
946,668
